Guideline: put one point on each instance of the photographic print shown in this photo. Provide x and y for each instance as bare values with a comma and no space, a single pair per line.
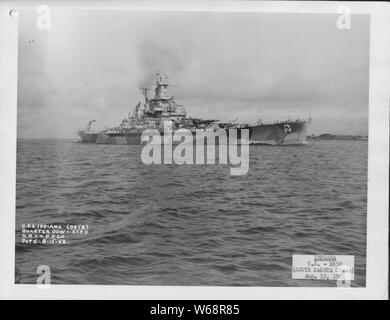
217,148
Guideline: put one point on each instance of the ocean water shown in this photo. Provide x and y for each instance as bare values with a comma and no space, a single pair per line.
190,224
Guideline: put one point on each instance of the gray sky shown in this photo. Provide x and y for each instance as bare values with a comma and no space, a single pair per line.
247,66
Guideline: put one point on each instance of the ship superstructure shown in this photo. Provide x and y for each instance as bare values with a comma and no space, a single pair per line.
151,113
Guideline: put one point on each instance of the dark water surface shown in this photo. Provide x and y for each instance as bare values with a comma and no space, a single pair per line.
191,224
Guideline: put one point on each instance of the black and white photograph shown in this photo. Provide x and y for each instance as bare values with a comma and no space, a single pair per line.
202,148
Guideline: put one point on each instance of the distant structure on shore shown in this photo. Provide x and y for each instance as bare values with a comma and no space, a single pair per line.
330,136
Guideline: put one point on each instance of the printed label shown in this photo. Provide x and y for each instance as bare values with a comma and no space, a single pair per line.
323,267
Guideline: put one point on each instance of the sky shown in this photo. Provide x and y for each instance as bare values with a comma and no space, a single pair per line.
226,66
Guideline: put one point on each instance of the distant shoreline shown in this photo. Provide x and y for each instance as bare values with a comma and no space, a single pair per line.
329,136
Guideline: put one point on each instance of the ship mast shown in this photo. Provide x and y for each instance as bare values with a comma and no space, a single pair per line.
145,93
161,91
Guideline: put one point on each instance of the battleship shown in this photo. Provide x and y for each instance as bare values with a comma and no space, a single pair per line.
152,113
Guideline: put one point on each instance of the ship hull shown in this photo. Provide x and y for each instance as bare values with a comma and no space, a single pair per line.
133,138
283,133
86,137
